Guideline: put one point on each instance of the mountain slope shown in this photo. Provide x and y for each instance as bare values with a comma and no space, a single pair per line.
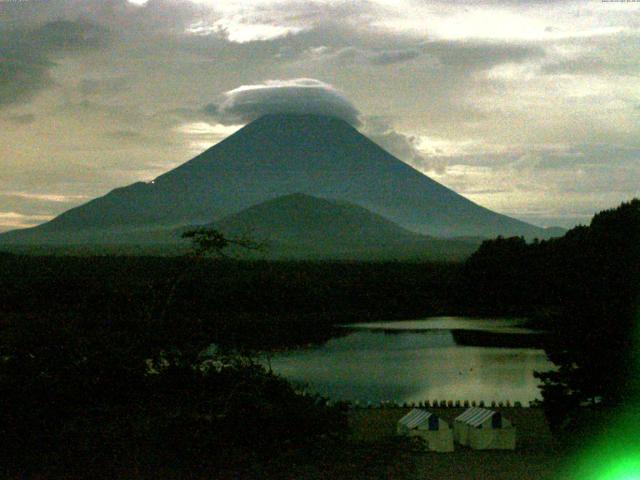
305,220
274,156
302,226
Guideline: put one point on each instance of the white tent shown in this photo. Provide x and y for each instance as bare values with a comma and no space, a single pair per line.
434,431
483,429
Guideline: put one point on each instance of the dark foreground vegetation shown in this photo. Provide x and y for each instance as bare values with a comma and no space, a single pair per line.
537,456
87,405
105,372
103,376
584,288
239,304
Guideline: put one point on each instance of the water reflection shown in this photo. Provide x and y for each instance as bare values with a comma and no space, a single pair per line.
504,325
414,365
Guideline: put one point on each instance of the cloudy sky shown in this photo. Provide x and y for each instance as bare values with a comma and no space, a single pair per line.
529,108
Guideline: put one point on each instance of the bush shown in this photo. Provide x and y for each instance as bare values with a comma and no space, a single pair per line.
83,399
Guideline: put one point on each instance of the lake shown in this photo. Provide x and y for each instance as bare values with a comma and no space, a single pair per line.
418,360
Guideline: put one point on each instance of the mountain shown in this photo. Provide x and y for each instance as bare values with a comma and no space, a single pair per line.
273,156
303,226
305,220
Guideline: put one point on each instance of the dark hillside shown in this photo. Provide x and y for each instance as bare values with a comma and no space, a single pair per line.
244,303
585,289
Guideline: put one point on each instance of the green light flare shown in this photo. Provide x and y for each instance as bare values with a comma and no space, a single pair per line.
615,454
623,469
616,457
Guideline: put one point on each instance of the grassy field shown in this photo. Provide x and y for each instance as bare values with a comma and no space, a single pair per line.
375,452
536,456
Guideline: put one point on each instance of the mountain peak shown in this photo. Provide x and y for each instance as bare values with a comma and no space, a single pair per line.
310,118
301,124
283,154
295,197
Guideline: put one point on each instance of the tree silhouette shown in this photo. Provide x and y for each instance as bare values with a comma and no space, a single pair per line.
594,336
209,241
584,289
117,394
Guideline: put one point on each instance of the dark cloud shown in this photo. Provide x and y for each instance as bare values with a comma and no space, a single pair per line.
35,204
298,95
25,209
480,54
373,56
156,16
554,158
591,65
404,147
582,65
600,56
388,57
212,109
21,76
22,118
453,53
130,138
126,136
63,36
102,86
573,169
342,41
27,54
380,46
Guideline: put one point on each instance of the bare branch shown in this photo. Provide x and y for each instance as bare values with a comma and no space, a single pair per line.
208,241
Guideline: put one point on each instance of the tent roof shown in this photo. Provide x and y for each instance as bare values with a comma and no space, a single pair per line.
416,417
475,416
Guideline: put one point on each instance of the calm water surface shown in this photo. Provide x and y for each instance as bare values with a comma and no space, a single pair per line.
414,361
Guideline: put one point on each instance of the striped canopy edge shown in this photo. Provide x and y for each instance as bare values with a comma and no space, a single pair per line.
475,416
416,417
